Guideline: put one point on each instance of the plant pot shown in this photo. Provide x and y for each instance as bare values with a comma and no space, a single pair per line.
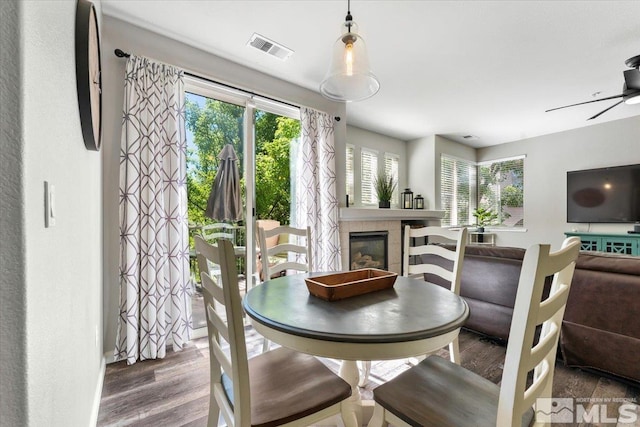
385,204
480,230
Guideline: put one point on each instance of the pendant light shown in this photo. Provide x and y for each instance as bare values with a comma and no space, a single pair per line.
349,77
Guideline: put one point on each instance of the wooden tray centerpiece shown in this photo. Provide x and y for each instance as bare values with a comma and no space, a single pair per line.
333,287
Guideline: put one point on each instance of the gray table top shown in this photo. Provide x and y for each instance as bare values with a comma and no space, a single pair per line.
411,310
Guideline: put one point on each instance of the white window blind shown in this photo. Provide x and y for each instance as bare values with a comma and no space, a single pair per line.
501,189
457,190
369,170
350,174
391,163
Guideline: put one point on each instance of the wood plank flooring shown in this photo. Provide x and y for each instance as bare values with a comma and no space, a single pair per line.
174,391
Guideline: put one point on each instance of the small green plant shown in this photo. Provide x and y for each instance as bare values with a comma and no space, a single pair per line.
484,217
384,186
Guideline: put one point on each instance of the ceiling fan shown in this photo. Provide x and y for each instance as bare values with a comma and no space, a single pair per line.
630,89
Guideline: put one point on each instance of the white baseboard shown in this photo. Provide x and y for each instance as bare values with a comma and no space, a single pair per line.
98,393
109,357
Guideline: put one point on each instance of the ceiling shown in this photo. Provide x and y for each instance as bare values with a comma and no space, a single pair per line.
453,68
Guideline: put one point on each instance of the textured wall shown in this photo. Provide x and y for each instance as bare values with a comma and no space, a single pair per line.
52,365
13,402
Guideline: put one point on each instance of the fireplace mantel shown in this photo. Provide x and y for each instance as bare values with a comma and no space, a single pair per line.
376,214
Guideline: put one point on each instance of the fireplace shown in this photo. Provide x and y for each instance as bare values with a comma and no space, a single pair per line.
368,249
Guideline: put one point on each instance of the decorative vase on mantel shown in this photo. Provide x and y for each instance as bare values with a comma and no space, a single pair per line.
384,204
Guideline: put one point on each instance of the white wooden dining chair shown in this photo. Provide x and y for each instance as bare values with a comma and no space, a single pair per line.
280,387
449,261
219,230
450,273
439,393
294,254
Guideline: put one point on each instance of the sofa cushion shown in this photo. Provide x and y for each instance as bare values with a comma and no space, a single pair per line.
593,348
612,263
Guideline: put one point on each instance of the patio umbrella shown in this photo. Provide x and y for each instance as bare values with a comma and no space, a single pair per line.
224,202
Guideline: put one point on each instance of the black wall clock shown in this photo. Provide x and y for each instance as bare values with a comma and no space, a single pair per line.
88,75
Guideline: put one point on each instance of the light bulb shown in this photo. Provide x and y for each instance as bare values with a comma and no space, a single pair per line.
348,58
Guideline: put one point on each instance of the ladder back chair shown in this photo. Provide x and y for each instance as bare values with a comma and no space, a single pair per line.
219,230
439,393
280,387
288,247
441,262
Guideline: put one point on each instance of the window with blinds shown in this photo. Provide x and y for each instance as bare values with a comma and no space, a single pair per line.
369,170
391,164
457,190
351,167
501,189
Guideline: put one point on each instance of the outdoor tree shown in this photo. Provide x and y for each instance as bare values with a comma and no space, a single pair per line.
273,186
214,124
498,174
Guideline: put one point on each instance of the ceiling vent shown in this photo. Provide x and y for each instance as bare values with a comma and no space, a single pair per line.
269,46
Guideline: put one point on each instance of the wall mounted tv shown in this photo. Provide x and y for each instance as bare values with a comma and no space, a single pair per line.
606,195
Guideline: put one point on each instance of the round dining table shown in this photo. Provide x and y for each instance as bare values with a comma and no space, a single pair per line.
412,318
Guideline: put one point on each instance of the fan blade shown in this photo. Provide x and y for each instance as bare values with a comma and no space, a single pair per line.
632,79
604,111
587,102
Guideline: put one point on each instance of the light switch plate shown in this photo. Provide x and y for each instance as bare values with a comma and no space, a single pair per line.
49,205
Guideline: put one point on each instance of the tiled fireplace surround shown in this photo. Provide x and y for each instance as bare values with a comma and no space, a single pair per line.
373,219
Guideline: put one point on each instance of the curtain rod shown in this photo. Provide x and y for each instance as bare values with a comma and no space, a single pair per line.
122,54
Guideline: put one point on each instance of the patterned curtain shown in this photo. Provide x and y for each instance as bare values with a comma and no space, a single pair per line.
315,203
155,290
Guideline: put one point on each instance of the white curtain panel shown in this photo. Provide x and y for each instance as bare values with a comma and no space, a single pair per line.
315,200
155,307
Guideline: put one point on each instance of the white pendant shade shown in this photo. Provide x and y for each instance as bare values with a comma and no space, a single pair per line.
349,77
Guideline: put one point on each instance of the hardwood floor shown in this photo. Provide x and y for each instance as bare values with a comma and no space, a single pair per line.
174,391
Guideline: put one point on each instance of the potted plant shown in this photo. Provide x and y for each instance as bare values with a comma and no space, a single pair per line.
384,186
484,217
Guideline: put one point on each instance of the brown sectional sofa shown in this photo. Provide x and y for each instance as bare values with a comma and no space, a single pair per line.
601,326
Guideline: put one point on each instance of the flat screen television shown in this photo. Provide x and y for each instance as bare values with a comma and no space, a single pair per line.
606,195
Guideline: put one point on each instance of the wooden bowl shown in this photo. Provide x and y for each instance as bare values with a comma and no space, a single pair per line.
333,287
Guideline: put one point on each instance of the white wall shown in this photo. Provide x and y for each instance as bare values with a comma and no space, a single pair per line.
133,39
548,159
420,169
362,138
55,305
423,162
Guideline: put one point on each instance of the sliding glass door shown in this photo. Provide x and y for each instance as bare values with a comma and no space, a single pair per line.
261,133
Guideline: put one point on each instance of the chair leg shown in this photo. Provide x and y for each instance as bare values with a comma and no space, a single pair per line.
214,411
377,420
266,345
364,368
454,351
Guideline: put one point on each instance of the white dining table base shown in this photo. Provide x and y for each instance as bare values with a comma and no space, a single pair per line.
352,416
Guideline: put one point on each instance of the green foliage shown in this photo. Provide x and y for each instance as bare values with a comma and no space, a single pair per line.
384,185
484,216
512,196
215,124
499,174
273,183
